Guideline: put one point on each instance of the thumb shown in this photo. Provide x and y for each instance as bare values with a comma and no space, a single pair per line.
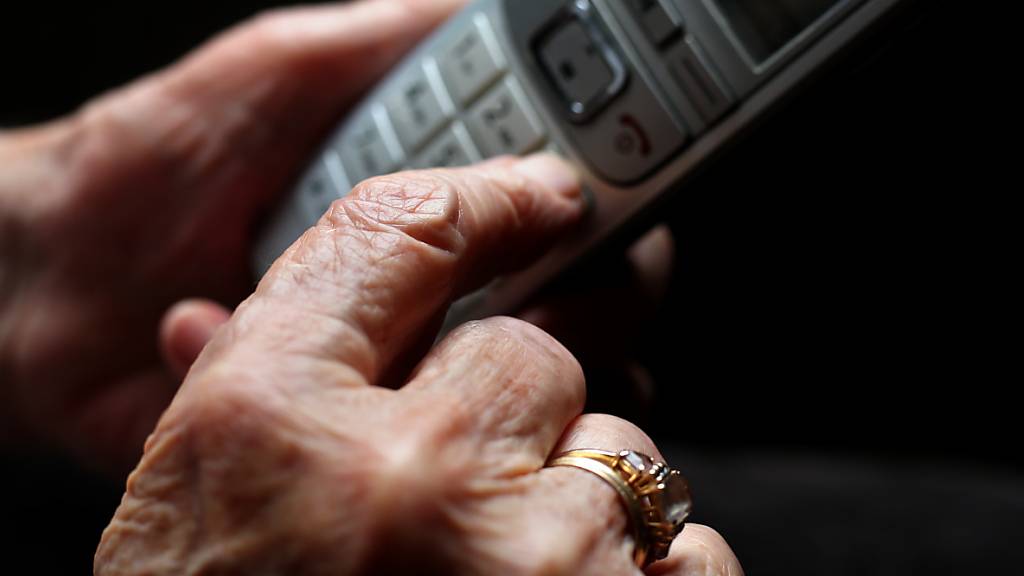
321,57
243,111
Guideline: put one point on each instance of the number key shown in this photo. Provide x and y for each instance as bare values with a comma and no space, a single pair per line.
416,108
452,148
472,62
364,151
503,123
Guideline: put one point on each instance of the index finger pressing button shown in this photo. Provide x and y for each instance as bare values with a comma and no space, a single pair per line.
389,257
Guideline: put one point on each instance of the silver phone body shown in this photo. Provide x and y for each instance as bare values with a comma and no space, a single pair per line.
638,94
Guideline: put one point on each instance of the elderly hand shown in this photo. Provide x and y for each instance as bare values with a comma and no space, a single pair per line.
281,454
147,198
135,217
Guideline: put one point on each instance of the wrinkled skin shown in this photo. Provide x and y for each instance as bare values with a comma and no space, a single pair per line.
282,452
125,229
150,196
282,455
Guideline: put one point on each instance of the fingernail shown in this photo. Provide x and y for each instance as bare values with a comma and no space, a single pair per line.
553,172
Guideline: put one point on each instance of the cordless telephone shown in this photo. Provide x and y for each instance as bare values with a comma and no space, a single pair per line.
636,93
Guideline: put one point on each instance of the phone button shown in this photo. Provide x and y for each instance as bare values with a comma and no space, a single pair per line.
472,62
321,186
580,61
503,122
630,139
659,22
364,151
693,72
417,108
452,148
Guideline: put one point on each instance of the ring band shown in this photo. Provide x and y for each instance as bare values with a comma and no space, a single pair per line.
656,498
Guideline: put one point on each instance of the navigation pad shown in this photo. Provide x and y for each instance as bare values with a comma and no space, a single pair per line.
580,62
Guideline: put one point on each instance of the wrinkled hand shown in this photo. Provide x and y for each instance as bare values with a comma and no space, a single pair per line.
281,454
148,197
135,217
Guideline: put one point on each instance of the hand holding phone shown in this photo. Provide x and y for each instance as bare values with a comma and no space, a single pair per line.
638,94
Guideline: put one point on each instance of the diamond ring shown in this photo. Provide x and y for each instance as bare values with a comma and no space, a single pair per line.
656,497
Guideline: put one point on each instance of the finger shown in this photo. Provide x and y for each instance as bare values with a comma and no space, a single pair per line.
636,284
246,109
185,330
698,550
589,501
567,520
628,289
505,384
652,257
365,282
316,58
628,292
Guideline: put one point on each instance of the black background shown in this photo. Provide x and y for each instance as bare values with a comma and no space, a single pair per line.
833,362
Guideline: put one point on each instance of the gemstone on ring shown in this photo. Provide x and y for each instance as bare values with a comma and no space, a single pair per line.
676,494
639,462
672,494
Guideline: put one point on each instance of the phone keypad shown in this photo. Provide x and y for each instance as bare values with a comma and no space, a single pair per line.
365,151
577,66
322,185
632,137
504,123
472,62
658,20
417,108
451,108
451,149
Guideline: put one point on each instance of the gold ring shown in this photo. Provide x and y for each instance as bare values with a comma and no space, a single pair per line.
657,498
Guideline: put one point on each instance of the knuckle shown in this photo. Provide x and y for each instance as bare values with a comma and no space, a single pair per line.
528,364
506,331
231,416
284,41
268,27
517,192
414,483
418,208
548,347
430,431
545,352
274,37
95,146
